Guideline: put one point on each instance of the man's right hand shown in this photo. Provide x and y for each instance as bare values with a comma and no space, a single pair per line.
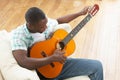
58,56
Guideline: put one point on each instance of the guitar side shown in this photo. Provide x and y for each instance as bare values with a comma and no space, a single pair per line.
46,48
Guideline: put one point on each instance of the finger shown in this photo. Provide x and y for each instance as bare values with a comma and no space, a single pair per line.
58,50
63,60
62,52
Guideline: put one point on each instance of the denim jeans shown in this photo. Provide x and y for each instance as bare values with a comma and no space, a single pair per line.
79,67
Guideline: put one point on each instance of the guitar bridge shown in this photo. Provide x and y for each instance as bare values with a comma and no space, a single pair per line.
45,55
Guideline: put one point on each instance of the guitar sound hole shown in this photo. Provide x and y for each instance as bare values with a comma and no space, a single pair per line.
62,45
45,55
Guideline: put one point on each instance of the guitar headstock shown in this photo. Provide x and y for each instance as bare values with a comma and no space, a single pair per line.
94,10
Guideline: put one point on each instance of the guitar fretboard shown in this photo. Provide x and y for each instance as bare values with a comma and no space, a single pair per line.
76,29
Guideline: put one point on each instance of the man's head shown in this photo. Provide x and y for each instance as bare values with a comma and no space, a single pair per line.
36,20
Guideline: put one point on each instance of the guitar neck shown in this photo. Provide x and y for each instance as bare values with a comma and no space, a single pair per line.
76,29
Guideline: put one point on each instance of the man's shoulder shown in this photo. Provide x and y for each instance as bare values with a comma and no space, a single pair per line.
52,20
20,30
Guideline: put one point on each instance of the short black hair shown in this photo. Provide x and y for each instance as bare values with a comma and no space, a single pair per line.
34,15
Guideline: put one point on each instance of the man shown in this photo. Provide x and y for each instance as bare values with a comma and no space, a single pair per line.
37,24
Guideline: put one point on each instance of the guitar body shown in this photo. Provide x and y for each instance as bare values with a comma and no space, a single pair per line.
46,48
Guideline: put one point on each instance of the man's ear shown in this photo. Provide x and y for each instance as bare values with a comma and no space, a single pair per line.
28,24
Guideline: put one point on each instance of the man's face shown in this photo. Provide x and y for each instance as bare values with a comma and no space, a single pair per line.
40,26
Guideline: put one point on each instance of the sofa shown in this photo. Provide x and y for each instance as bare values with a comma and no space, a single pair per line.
10,70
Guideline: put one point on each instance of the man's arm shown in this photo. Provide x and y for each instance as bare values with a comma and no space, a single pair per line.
70,17
33,63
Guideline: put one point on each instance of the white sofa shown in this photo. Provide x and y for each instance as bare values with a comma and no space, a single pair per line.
1,77
10,70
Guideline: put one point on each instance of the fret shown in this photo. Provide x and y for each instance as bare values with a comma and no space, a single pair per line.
76,29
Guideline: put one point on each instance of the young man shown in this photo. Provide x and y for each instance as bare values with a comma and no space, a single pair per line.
37,24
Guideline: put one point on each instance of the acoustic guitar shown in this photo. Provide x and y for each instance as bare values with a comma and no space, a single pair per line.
60,39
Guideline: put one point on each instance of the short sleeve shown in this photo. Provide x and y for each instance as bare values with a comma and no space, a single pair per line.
21,38
18,44
52,22
18,40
